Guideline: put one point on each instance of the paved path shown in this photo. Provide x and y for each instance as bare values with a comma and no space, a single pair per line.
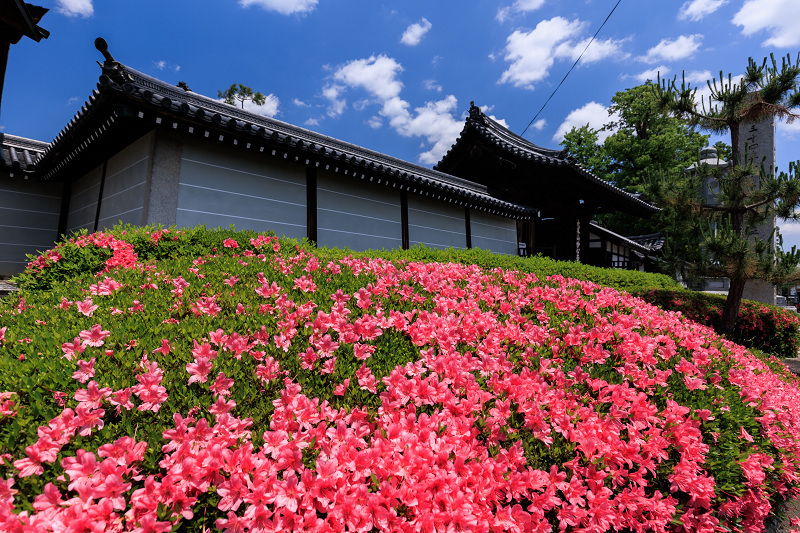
6,288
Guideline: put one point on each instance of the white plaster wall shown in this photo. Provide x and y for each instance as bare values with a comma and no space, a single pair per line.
29,214
125,185
436,224
84,193
221,187
493,232
357,214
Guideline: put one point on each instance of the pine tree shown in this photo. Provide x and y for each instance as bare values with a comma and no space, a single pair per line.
748,194
241,93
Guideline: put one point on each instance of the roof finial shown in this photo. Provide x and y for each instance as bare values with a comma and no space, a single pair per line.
102,47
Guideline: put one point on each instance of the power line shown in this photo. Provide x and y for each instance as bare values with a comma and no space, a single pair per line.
572,67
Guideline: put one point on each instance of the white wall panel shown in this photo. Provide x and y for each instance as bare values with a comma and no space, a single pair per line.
493,232
84,194
219,188
436,224
357,214
29,214
125,185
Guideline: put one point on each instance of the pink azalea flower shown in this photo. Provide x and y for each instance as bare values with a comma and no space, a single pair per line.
165,348
366,381
85,370
199,370
341,388
86,307
94,337
222,385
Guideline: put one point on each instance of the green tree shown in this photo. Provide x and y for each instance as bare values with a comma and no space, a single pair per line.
582,145
748,193
241,93
644,141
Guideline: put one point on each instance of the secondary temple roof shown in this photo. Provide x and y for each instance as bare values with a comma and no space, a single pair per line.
543,177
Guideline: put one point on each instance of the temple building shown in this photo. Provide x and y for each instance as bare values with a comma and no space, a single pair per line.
142,151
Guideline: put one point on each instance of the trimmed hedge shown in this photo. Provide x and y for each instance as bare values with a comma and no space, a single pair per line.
764,327
154,243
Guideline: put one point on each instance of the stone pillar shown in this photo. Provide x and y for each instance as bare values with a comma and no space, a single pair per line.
161,200
758,139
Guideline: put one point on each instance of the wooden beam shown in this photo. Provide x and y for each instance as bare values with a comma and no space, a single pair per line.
311,203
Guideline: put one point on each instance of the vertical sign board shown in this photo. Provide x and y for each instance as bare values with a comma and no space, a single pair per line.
758,140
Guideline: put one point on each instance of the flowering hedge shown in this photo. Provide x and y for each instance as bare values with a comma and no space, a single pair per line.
256,387
764,327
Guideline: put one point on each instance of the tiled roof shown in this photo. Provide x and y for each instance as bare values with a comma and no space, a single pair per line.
626,240
651,241
19,153
517,147
201,115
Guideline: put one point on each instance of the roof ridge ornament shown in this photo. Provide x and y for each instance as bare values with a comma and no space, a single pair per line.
112,68
474,111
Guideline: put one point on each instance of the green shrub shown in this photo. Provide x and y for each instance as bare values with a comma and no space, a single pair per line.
490,376
764,327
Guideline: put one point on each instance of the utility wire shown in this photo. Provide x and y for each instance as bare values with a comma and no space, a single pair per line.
572,67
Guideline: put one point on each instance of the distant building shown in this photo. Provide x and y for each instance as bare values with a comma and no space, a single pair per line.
142,151
758,140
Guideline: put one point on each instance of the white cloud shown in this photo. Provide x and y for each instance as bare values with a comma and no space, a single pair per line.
333,94
284,7
594,114
300,103
160,64
415,32
696,10
788,228
269,109
434,121
377,75
539,124
790,130
672,50
532,54
431,85
597,51
777,17
520,6
698,77
73,100
312,122
652,74
75,8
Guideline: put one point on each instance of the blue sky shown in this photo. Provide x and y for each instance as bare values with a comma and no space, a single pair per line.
398,77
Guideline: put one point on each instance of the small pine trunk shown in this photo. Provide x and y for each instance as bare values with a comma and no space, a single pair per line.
732,304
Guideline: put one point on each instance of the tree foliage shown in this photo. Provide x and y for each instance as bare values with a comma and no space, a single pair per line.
241,93
644,142
749,194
